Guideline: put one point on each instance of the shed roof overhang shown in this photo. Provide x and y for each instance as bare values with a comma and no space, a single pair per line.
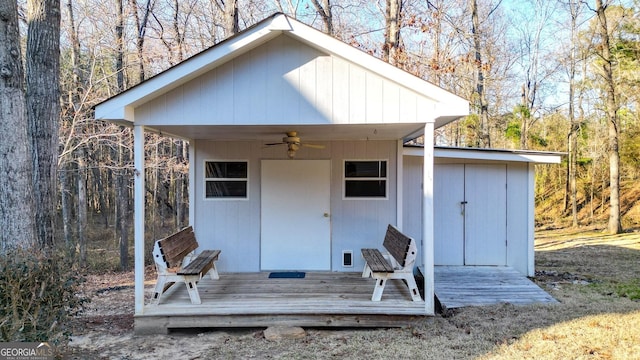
499,155
121,108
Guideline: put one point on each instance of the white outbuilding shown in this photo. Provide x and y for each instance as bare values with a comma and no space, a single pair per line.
297,161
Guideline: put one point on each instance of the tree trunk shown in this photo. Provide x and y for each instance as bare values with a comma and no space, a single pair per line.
615,224
485,140
122,195
101,194
82,207
181,184
324,10
155,204
16,168
572,162
391,47
176,29
141,33
120,46
76,89
73,107
526,119
231,18
180,208
43,109
66,204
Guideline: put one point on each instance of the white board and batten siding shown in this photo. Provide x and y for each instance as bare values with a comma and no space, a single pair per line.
284,81
494,227
234,226
521,217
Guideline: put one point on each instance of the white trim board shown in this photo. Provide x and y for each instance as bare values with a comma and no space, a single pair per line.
539,157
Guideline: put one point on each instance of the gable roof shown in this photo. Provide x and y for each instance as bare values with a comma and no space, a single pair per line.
121,106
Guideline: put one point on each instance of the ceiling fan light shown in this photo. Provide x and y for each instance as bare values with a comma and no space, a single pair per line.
291,153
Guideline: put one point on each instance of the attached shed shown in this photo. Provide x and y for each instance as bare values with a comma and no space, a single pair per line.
484,205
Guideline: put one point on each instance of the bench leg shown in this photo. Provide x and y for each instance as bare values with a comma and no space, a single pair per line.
192,287
377,291
413,288
213,273
366,272
161,286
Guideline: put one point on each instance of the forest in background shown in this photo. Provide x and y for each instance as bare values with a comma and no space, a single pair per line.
540,75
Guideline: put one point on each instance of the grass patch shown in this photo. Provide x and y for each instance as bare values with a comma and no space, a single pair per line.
629,289
594,277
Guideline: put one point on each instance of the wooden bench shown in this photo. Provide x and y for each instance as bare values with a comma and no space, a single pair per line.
397,264
176,261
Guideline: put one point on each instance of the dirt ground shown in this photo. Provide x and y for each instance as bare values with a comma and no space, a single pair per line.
592,320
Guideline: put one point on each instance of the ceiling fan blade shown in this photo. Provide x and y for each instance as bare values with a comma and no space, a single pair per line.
273,144
314,146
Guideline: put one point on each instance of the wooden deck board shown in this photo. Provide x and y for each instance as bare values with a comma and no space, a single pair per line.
330,299
319,299
460,286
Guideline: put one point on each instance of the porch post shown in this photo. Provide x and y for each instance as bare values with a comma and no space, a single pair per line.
192,182
400,185
138,153
427,219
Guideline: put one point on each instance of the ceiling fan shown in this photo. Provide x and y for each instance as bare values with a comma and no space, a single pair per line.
292,140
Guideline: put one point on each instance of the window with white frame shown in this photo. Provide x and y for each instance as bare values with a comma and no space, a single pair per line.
365,179
226,179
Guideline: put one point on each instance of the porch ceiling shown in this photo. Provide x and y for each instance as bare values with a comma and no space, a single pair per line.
274,133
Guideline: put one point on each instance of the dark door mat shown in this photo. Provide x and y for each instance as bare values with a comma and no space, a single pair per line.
287,275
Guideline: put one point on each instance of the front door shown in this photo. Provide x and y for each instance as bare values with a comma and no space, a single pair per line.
295,221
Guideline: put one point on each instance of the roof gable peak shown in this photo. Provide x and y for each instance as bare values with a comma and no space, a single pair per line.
120,107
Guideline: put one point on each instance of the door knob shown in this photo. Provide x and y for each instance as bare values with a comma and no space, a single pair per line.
326,215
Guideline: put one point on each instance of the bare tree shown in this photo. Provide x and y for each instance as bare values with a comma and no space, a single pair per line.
611,109
141,26
122,194
120,80
531,52
485,139
572,139
16,187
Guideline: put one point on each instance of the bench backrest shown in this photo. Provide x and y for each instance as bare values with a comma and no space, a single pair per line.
175,247
400,246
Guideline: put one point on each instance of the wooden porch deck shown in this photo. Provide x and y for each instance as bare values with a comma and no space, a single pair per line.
324,299
460,286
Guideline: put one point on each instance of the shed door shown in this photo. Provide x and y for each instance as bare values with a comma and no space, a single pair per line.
448,189
470,221
295,203
485,215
